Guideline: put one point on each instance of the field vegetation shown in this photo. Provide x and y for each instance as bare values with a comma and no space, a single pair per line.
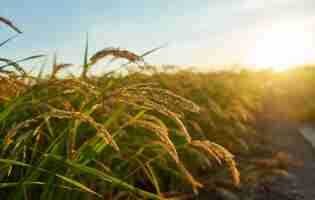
150,133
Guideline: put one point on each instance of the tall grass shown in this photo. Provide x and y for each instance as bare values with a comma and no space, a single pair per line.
131,136
83,138
232,105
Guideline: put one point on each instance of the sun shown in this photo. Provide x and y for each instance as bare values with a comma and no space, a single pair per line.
281,47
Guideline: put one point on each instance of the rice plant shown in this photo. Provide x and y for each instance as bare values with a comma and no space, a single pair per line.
90,138
133,135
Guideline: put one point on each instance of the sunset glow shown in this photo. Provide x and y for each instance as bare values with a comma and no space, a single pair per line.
281,47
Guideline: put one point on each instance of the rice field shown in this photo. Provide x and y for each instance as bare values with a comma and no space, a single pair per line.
142,133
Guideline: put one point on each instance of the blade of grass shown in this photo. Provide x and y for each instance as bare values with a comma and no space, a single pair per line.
107,178
64,178
14,64
10,24
8,40
86,59
15,184
22,60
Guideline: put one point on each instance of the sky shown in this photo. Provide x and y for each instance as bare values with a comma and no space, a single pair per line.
204,33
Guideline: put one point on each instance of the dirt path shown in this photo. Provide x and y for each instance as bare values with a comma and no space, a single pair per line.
285,136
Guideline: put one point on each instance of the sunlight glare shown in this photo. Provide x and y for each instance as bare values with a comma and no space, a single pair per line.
281,47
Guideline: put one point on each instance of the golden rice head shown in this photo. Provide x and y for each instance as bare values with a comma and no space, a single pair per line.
220,154
58,67
116,53
162,133
101,130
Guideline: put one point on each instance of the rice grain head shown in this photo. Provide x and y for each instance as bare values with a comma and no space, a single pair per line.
220,154
116,53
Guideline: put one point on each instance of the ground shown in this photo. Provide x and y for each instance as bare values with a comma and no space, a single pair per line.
285,136
282,136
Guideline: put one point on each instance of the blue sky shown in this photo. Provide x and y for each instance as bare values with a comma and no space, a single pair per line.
199,32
